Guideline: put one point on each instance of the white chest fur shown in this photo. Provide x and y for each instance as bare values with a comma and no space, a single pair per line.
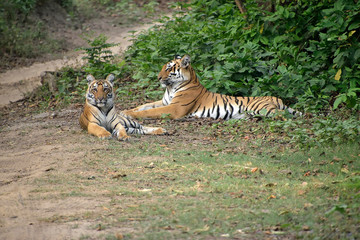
168,95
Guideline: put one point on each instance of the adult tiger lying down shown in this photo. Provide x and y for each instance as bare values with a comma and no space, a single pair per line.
185,96
99,117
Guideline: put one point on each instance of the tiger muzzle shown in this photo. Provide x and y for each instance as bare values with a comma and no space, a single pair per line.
165,82
101,102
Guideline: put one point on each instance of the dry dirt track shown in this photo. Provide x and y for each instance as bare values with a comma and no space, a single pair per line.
15,83
31,147
36,144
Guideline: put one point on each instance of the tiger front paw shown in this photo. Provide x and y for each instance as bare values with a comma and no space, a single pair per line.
160,131
121,136
155,131
104,135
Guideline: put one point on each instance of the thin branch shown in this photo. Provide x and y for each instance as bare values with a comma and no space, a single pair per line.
241,7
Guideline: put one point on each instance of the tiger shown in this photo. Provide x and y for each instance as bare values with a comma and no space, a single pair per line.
99,116
185,96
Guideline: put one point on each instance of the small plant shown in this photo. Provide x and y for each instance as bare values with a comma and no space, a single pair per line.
99,57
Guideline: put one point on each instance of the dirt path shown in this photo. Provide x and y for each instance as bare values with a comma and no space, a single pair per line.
34,146
14,84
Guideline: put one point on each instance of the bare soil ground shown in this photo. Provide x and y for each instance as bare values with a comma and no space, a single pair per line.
40,154
35,144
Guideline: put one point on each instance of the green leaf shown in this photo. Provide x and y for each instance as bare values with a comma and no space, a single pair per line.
338,208
357,54
282,69
339,100
354,25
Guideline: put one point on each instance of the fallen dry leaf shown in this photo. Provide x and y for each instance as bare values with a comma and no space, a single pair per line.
272,197
304,184
301,192
254,169
283,212
306,228
151,165
308,205
119,236
200,230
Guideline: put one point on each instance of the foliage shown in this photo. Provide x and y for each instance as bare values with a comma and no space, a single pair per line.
71,83
318,132
22,34
305,51
98,56
302,133
68,87
101,62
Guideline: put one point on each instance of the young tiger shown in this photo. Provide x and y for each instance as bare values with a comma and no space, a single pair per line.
99,117
185,96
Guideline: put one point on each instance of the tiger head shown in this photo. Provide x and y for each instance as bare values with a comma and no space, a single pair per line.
176,71
100,93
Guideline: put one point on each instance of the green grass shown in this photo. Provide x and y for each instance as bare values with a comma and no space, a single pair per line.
165,188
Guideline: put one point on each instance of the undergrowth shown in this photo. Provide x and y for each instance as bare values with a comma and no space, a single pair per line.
306,52
22,35
304,133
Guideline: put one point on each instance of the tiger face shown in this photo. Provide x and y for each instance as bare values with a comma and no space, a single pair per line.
100,93
175,71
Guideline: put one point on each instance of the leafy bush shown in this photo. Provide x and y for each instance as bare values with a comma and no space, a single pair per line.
300,133
305,51
318,132
99,57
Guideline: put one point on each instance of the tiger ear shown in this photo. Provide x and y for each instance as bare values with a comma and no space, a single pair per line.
90,78
110,78
185,61
177,56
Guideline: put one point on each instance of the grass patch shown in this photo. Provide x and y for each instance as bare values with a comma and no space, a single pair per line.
217,188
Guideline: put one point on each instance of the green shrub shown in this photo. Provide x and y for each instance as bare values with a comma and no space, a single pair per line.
305,51
99,57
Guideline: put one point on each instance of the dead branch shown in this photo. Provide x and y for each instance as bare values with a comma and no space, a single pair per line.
241,7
